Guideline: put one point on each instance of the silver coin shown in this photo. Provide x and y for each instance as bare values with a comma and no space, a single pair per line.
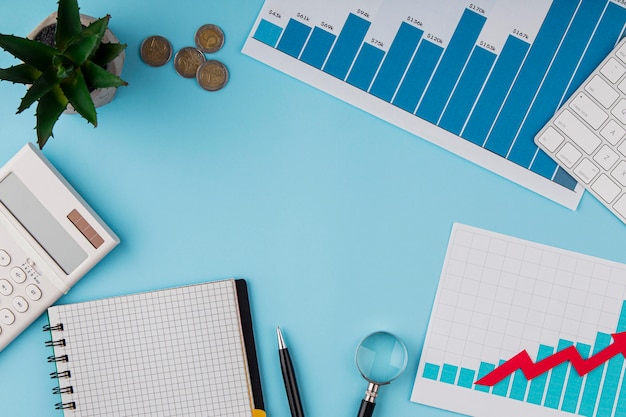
212,75
187,61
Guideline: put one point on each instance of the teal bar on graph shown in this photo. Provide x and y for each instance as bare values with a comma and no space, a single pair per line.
574,383
557,379
268,33
594,378
448,374
538,384
483,370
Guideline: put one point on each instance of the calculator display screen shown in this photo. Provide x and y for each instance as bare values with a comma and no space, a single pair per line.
43,227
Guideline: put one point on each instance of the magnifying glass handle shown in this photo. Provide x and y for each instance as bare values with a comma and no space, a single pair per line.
367,409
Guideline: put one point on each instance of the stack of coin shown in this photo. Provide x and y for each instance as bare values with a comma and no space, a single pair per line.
190,61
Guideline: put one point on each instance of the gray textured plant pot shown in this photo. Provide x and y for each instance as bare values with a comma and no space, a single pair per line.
100,96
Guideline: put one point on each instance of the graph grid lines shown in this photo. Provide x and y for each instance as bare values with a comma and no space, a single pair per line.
499,296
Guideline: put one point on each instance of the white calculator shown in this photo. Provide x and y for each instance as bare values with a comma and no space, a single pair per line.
49,239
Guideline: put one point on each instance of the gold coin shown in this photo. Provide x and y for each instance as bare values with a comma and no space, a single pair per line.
212,75
156,51
187,61
209,38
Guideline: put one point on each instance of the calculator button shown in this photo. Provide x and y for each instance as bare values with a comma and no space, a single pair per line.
18,275
20,304
613,70
5,287
33,292
5,259
7,316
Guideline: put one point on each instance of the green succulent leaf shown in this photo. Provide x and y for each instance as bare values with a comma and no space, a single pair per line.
22,73
63,66
40,87
68,23
76,90
98,77
85,44
107,52
49,109
34,53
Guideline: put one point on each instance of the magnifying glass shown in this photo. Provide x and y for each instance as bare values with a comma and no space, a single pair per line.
381,357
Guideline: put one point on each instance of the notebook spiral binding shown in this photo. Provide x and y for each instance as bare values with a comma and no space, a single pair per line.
71,405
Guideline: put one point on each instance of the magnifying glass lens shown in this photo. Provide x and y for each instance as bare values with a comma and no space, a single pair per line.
381,357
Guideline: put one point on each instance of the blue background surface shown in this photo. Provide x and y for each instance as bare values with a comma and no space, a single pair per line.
338,220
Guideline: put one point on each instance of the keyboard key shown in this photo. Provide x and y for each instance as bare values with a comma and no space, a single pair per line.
612,132
606,189
620,206
602,91
619,173
577,132
586,171
619,111
569,155
551,139
613,70
621,53
589,111
606,157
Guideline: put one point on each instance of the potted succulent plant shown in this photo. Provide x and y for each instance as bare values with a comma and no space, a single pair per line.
67,72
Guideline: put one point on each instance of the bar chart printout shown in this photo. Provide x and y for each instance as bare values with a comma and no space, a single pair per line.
478,79
499,296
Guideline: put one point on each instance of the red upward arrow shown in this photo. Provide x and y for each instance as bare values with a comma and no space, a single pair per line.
531,370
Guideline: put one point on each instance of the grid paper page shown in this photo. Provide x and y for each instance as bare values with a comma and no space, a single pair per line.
174,352
500,295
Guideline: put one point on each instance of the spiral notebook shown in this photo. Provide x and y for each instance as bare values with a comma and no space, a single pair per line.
186,351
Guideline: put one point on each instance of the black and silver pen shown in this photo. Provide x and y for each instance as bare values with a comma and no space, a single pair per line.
289,376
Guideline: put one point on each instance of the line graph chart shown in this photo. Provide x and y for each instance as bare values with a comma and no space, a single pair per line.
519,328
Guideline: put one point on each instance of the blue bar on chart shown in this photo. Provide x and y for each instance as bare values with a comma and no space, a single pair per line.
600,393
496,89
400,53
417,76
365,66
467,90
346,47
495,100
317,48
268,33
548,98
530,76
452,63
294,37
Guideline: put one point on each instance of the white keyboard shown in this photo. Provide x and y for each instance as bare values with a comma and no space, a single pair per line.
586,135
